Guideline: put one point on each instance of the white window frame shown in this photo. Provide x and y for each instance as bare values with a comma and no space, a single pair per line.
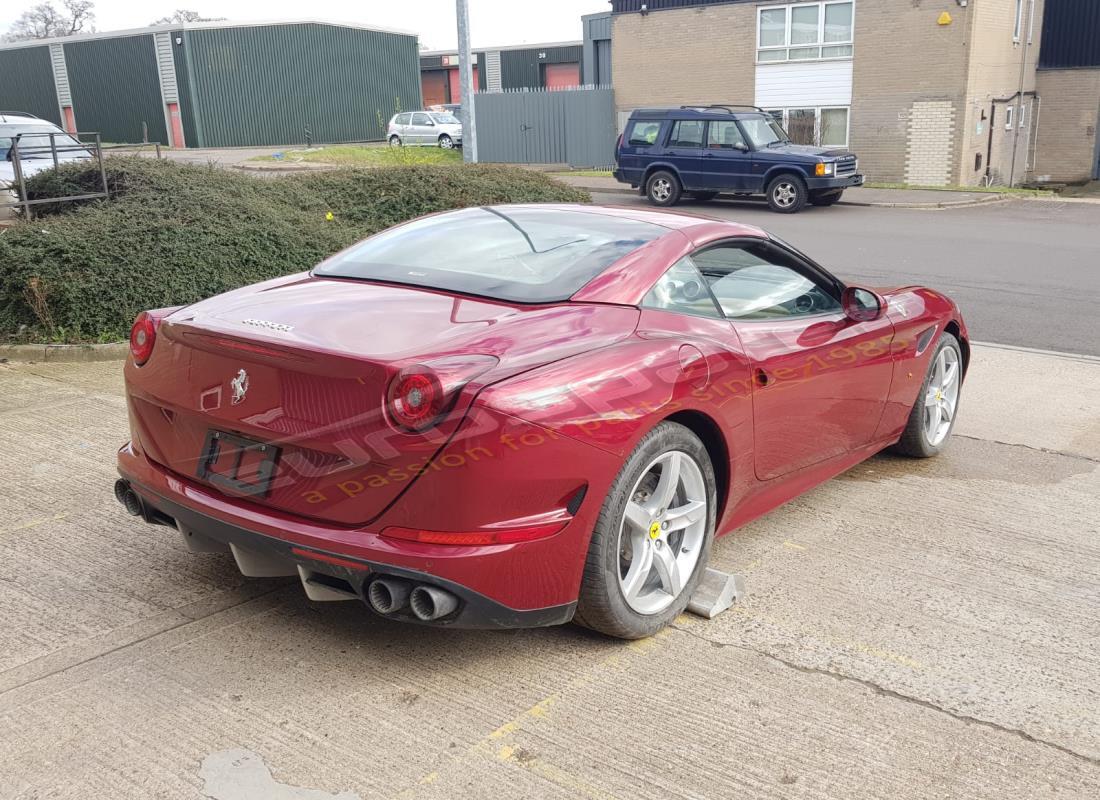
1018,29
1009,112
817,121
820,43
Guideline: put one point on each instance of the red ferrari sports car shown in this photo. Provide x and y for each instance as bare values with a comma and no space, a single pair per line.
524,415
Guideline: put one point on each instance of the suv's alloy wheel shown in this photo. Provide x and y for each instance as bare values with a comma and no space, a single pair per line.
787,194
663,188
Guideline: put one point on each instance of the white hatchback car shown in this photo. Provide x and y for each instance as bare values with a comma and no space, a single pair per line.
425,128
35,152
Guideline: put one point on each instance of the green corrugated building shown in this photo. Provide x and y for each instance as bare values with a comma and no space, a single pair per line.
217,84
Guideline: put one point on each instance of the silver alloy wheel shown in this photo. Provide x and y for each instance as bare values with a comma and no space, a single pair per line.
395,141
785,194
941,401
661,190
446,142
662,532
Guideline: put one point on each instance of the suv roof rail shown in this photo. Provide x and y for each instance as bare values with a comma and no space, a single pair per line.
727,107
17,114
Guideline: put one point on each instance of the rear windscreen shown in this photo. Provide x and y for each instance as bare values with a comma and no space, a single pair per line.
519,254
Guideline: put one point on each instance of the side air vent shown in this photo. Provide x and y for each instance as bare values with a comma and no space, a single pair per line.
925,339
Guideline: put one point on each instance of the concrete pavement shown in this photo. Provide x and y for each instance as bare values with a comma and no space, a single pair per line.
912,629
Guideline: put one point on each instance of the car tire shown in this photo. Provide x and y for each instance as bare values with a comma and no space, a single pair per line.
927,433
787,194
395,141
663,188
446,142
627,604
704,197
826,198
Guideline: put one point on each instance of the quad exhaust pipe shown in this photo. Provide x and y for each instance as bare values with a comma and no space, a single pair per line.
387,595
428,603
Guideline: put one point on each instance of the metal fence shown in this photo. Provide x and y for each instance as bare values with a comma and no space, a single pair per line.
574,126
33,148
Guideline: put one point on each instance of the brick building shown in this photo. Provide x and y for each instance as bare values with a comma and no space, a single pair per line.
929,92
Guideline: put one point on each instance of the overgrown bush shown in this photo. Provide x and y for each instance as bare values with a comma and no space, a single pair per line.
172,234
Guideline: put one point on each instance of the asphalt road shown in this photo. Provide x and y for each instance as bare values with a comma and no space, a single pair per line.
1024,272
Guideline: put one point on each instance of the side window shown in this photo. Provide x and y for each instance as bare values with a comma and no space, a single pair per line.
421,119
725,136
644,133
761,281
682,289
687,133
403,119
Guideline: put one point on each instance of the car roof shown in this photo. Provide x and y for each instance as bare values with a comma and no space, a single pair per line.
21,116
699,112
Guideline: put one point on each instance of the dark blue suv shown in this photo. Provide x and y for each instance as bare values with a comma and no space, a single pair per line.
711,150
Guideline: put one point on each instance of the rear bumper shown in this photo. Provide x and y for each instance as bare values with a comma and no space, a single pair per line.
330,574
622,177
504,470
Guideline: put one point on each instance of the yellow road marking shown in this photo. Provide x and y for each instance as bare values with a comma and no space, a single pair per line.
494,747
34,523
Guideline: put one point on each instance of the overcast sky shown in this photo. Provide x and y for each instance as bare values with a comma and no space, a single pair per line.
492,22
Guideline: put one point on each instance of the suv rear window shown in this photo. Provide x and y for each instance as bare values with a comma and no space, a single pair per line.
515,253
643,133
687,133
34,142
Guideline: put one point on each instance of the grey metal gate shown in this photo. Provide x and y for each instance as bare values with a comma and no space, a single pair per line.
547,126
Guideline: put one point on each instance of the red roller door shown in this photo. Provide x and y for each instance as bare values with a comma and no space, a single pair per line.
456,89
559,76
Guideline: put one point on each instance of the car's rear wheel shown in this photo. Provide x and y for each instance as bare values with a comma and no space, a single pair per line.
703,197
652,539
446,142
663,188
826,198
395,141
933,416
787,194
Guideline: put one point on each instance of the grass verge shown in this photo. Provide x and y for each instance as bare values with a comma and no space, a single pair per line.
365,155
980,189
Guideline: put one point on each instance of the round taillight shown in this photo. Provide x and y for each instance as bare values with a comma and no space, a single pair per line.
415,400
142,337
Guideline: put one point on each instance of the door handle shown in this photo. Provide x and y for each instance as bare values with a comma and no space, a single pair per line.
760,377
708,155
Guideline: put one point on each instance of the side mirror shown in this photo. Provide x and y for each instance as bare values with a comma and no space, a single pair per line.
862,305
744,148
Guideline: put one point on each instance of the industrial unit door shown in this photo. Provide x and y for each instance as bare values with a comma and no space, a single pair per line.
433,85
456,86
561,76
